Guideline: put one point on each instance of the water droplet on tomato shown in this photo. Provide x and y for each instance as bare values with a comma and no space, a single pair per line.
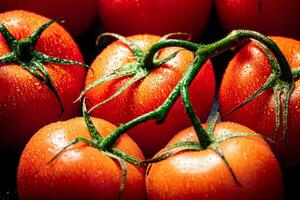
38,85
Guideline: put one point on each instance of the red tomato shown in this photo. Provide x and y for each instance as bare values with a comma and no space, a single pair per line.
27,104
129,17
79,14
271,17
203,174
149,93
81,171
248,71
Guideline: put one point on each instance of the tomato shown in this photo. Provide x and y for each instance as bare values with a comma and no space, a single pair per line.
203,174
81,171
248,71
271,17
149,93
79,14
129,17
27,104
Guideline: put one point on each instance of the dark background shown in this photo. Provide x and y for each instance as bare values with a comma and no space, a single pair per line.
86,42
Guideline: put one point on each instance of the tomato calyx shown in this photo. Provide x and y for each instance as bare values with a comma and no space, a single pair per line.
138,69
96,142
282,81
184,146
24,54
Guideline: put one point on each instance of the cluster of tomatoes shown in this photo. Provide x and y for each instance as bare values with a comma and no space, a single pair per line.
68,156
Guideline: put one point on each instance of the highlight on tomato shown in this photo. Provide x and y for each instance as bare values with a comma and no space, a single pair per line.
130,17
41,73
125,90
266,98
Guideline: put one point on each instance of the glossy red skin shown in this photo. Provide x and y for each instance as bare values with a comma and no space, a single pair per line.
26,104
129,17
246,72
274,17
149,93
79,14
204,175
82,171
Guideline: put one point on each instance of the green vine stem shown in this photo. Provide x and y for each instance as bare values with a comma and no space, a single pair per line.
203,52
24,54
145,62
233,39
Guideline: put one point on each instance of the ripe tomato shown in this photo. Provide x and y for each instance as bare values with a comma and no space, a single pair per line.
79,14
129,17
248,71
27,104
203,174
149,93
271,17
81,171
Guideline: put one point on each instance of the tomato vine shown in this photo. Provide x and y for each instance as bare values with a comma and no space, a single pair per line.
281,75
281,80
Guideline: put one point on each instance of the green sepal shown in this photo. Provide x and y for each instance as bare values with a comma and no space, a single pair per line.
157,62
166,37
288,89
268,84
8,58
241,134
34,37
8,37
174,150
74,141
179,144
140,74
218,150
129,69
123,169
41,57
138,53
47,80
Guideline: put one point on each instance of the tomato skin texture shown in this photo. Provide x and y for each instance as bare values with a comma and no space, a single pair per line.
149,93
248,71
81,172
26,104
271,17
129,17
79,14
204,175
